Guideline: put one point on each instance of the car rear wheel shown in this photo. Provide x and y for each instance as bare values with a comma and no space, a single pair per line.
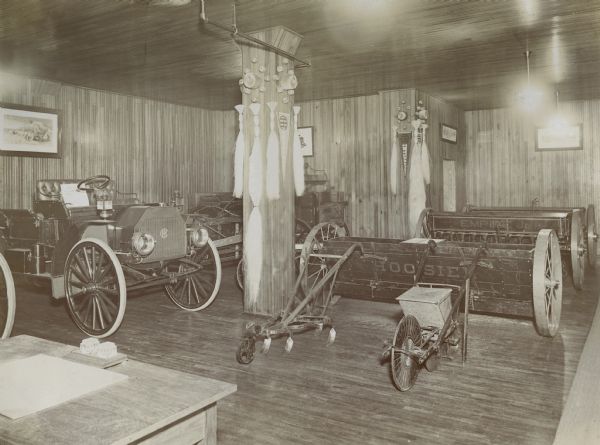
196,281
95,288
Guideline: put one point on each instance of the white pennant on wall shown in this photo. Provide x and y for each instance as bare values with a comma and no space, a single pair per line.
253,254
284,133
416,182
273,161
425,157
253,240
297,157
238,156
255,176
394,159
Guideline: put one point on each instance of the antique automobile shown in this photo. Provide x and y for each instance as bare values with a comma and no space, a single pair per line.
93,246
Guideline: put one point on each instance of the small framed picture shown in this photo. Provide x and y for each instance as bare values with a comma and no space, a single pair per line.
448,133
564,137
29,131
306,140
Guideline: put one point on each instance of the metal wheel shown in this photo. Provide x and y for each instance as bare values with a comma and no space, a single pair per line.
314,268
201,279
422,230
301,230
592,237
95,288
239,274
577,249
245,351
7,299
403,365
547,283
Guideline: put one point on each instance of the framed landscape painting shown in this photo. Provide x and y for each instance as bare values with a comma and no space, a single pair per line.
29,131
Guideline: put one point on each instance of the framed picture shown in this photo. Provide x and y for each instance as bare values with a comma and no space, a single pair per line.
568,137
29,131
448,133
306,140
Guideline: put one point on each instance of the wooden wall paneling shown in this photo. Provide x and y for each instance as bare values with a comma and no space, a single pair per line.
148,147
396,224
442,112
353,145
347,148
504,169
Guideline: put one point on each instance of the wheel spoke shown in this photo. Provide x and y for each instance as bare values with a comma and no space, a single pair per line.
108,291
103,270
99,311
108,307
88,266
202,288
76,283
102,293
75,268
93,265
78,294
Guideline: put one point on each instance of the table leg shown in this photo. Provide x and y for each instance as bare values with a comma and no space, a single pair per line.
211,425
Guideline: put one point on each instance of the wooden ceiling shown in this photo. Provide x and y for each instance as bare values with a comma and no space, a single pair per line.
468,52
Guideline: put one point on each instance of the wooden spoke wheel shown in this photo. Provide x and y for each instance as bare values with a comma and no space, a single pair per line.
314,268
240,273
301,230
7,299
199,279
577,249
95,288
245,351
403,365
547,283
422,230
592,237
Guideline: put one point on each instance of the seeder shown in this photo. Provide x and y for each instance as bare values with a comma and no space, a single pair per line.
575,230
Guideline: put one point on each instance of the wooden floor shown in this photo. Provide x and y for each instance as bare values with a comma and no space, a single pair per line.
511,390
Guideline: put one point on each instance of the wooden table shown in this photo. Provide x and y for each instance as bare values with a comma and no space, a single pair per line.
154,405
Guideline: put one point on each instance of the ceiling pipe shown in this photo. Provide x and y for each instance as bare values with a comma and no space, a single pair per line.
233,30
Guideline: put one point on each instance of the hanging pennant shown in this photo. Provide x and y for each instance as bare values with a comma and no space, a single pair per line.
255,176
405,139
273,161
297,157
425,156
253,255
284,132
416,183
394,162
238,156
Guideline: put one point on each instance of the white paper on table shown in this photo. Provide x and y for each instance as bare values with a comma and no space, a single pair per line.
74,197
35,383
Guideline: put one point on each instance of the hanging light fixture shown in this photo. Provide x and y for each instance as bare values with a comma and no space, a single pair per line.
529,97
557,121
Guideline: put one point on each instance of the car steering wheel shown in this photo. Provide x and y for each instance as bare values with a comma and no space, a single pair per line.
92,183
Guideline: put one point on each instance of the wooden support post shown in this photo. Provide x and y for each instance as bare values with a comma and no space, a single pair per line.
269,79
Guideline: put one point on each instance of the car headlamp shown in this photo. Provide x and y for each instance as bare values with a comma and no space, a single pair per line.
143,243
198,237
